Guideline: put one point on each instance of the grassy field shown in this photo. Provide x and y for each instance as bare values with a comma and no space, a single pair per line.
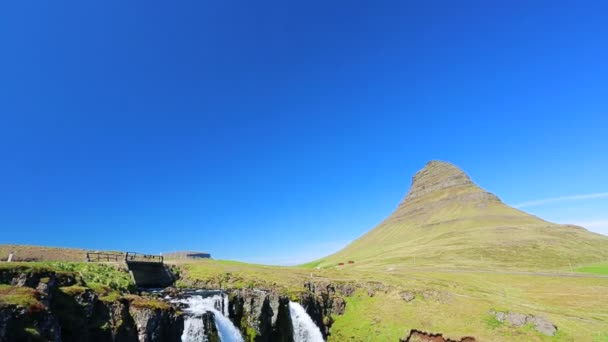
41,253
458,248
453,302
21,296
601,268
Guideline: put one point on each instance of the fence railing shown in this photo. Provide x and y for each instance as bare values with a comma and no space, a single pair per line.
132,256
123,257
107,257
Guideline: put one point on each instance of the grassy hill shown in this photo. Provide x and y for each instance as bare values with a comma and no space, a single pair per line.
446,220
455,303
457,247
463,253
42,253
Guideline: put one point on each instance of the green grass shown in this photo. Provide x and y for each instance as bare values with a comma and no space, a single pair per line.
577,305
95,275
601,269
461,226
73,290
493,323
148,303
20,296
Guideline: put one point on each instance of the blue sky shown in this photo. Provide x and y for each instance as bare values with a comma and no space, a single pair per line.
277,132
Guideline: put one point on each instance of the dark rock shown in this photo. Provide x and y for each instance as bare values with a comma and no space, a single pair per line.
87,301
541,324
282,330
516,319
338,306
407,296
436,296
211,332
254,311
154,324
422,336
346,289
23,324
20,280
119,321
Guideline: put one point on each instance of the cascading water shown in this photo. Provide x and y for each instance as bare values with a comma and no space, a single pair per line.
304,329
225,304
194,329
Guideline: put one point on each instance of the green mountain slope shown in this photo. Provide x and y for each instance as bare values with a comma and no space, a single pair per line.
446,220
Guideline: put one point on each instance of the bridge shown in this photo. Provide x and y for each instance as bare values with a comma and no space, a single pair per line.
147,270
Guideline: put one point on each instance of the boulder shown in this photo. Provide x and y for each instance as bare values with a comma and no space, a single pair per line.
407,296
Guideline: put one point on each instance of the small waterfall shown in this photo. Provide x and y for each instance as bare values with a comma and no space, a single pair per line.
225,304
194,330
304,329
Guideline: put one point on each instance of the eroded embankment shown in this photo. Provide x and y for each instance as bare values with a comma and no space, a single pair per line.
423,336
60,306
40,305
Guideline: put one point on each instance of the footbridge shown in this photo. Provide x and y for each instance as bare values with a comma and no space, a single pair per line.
147,270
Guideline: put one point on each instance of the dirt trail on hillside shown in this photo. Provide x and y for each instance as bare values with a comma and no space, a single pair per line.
541,274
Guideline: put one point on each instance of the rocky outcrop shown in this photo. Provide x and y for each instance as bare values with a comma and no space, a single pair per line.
263,315
56,307
322,301
422,336
18,323
260,315
539,323
438,185
211,332
156,324
282,330
407,296
439,176
41,280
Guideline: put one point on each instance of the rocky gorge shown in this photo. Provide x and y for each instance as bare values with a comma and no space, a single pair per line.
59,306
43,305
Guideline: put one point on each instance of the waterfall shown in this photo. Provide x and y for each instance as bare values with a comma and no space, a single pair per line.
225,305
304,329
194,330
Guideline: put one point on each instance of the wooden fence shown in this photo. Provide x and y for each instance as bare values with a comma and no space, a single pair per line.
123,257
132,256
105,257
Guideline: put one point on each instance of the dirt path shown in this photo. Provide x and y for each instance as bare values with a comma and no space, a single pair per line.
540,274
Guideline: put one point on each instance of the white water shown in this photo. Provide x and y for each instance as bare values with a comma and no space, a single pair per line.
225,306
194,330
304,329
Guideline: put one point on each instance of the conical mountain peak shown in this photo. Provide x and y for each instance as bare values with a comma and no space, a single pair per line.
436,176
446,219
442,183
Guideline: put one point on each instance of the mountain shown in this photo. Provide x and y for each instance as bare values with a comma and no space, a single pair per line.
446,220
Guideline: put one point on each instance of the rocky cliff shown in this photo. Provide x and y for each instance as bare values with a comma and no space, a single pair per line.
50,306
57,306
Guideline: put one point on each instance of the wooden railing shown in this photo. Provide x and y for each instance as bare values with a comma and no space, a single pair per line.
132,256
107,257
123,257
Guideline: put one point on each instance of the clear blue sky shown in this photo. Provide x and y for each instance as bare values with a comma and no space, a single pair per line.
278,131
